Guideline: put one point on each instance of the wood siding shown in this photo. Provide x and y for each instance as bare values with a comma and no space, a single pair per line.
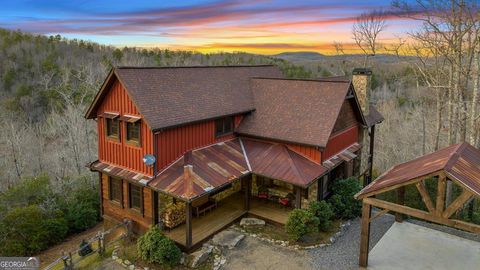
346,118
141,222
340,141
118,152
309,152
173,143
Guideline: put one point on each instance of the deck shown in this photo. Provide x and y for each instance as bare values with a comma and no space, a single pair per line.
269,210
228,211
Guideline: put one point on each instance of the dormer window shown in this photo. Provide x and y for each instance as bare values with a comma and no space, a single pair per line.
223,126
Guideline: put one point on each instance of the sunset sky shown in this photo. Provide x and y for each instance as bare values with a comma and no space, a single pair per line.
266,27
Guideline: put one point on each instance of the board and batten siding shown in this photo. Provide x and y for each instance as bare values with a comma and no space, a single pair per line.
120,211
340,141
119,152
173,143
309,152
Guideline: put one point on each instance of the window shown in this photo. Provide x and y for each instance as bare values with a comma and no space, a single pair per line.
135,197
116,190
113,128
223,126
133,133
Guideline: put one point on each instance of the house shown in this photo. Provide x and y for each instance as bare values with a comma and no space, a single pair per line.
192,149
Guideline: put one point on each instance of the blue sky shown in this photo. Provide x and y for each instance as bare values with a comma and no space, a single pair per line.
223,25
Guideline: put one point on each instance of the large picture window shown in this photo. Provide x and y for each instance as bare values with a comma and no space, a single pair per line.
223,126
113,128
133,133
135,197
116,189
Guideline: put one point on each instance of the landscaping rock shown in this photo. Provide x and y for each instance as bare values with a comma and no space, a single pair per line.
228,239
198,257
131,267
252,222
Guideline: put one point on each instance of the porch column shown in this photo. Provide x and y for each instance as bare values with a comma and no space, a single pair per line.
365,234
320,187
155,216
248,187
401,201
298,198
188,223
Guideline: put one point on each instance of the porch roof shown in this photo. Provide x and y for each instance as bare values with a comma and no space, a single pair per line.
212,167
119,172
219,164
277,161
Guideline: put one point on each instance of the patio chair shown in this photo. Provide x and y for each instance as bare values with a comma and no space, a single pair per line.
262,193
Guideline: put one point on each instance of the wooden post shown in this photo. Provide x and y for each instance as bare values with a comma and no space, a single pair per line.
365,234
298,198
440,202
320,188
100,178
401,201
155,216
370,156
247,184
188,223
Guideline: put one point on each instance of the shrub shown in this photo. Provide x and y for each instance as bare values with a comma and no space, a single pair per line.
154,247
56,229
324,212
82,210
301,222
343,203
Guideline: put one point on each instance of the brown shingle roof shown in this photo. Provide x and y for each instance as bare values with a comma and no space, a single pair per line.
460,162
179,95
301,111
374,117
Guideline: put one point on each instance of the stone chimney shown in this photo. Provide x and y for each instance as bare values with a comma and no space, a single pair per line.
361,82
187,173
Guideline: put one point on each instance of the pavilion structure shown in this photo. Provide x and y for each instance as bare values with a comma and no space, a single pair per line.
457,164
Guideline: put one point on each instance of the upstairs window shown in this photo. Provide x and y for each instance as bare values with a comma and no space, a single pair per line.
116,190
223,126
133,133
113,128
135,197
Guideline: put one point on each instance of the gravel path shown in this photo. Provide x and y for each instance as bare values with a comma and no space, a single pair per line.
343,254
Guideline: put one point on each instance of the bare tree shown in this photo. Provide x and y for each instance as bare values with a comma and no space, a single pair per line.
366,30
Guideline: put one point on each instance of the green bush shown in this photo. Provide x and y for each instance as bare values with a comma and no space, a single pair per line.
343,203
82,211
324,212
154,247
301,222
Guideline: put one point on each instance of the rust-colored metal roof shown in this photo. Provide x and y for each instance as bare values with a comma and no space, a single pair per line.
171,96
346,154
119,172
277,161
212,167
460,162
301,111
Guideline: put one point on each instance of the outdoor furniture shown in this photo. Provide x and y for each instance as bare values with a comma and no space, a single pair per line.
203,205
262,193
284,201
279,191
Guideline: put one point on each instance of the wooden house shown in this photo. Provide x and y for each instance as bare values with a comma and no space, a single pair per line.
227,142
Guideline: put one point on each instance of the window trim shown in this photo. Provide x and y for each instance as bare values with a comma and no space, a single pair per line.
140,188
223,120
110,193
131,142
109,136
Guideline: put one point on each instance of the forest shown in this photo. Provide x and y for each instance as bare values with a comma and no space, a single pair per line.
426,86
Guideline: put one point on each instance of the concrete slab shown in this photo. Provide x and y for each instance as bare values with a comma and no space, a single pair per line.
409,246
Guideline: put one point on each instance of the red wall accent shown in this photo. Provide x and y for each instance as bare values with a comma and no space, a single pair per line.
118,152
173,143
307,151
340,141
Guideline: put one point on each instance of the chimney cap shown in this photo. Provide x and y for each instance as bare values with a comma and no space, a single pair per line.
362,71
